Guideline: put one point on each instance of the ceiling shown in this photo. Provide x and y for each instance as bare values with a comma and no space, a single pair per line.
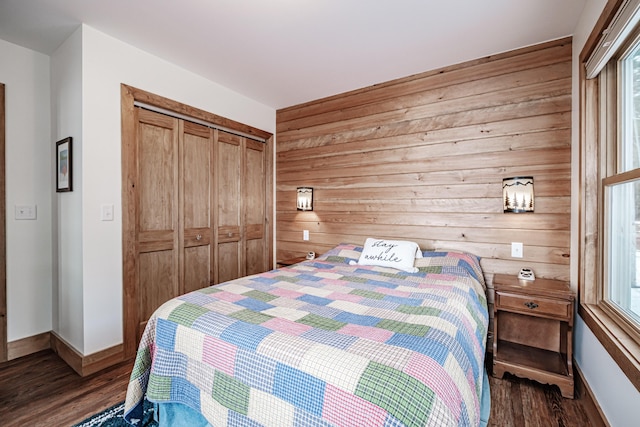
285,52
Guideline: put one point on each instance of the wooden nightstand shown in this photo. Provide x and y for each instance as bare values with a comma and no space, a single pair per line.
533,330
290,261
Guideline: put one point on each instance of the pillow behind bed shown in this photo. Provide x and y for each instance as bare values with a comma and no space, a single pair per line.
398,254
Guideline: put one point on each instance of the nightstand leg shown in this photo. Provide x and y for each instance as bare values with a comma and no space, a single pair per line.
498,371
567,390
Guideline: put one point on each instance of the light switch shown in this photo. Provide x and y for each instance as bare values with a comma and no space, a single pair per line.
106,213
305,234
25,212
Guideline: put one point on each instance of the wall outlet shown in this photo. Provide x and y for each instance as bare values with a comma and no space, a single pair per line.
517,250
305,234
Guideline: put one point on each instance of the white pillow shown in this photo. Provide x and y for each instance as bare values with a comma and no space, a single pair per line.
398,254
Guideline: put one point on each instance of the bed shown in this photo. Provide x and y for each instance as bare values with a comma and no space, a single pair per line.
327,342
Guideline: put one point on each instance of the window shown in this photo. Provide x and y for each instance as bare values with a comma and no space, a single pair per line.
610,186
622,284
621,251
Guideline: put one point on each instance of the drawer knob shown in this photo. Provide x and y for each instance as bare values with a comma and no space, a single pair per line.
199,237
531,305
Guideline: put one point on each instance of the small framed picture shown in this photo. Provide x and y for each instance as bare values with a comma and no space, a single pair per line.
64,165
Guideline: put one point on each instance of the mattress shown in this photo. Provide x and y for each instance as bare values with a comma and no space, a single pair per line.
323,343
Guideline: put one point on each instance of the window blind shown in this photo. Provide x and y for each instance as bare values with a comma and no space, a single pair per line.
622,24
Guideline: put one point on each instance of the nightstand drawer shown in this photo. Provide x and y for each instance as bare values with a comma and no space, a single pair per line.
532,305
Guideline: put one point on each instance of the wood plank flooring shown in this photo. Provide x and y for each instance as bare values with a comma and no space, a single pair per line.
41,390
519,402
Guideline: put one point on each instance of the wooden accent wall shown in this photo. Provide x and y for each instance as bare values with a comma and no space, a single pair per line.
423,158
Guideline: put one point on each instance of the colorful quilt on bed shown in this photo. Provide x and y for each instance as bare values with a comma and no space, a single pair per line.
323,343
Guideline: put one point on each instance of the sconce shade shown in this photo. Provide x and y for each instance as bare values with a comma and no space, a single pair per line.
305,199
517,194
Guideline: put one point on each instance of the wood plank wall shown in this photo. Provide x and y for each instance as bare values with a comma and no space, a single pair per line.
422,158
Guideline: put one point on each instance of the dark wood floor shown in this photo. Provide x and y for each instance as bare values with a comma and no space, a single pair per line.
519,402
41,390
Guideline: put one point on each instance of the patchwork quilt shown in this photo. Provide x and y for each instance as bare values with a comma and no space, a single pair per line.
323,343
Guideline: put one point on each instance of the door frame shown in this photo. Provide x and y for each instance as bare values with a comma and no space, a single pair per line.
128,97
3,234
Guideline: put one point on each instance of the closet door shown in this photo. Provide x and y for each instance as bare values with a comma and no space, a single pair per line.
229,207
254,196
157,212
191,212
174,216
196,198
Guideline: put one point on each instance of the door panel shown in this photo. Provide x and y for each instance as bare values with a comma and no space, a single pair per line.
158,282
196,267
228,169
255,257
228,180
157,178
157,212
228,261
196,199
197,176
254,197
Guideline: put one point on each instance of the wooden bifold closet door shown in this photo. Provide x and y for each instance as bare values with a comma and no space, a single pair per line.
241,237
253,197
229,206
174,224
200,208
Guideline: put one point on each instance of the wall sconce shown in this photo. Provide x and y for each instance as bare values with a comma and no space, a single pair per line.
517,194
305,199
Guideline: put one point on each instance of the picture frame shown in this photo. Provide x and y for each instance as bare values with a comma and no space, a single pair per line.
64,165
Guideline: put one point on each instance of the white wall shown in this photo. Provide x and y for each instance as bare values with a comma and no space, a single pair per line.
615,394
25,74
618,398
106,63
66,97
64,270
